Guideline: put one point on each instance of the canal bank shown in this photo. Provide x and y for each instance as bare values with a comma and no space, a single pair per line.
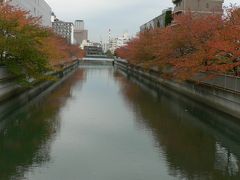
227,101
13,96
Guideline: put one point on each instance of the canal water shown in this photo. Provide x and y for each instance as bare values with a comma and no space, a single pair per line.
103,125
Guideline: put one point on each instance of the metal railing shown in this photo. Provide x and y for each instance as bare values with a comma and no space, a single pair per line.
223,81
226,82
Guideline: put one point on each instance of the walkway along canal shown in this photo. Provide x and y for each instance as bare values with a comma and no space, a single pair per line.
103,125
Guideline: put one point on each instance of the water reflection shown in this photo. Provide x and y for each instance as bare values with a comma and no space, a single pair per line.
197,143
100,125
25,139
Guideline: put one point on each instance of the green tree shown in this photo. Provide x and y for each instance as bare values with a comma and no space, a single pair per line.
20,44
109,54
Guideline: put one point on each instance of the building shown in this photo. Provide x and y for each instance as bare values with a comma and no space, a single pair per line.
80,34
117,42
37,8
93,49
161,21
123,40
203,7
64,29
79,25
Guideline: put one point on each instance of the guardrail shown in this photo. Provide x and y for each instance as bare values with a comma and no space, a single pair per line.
223,81
227,82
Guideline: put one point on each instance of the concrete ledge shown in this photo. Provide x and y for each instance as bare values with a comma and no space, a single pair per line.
13,99
215,97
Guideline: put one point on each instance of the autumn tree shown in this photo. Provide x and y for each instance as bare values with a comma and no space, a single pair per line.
224,48
191,45
27,49
20,43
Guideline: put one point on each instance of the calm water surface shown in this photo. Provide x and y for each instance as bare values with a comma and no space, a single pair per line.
102,125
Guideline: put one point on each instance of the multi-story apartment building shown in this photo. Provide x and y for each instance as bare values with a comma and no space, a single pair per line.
64,29
202,7
37,8
80,34
158,22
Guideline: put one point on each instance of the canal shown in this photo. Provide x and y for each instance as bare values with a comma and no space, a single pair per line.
103,125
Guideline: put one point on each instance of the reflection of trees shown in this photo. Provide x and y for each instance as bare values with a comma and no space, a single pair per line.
190,151
26,138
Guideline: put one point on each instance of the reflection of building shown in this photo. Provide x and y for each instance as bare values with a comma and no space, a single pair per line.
80,34
37,8
161,21
64,29
198,6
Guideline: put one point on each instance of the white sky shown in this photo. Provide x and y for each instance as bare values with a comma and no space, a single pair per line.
117,15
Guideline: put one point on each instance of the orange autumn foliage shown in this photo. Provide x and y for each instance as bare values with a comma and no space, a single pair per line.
60,52
29,50
194,44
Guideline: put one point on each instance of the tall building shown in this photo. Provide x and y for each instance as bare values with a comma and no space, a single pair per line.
79,25
203,7
80,34
64,29
37,8
158,22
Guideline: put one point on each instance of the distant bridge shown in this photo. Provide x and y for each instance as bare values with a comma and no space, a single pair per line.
97,59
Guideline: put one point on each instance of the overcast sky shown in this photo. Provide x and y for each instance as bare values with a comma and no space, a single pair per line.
117,15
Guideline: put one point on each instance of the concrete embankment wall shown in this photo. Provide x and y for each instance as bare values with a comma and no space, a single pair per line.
12,96
221,99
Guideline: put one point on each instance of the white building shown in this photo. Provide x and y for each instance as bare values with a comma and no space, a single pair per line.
123,40
105,47
37,8
120,41
64,29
